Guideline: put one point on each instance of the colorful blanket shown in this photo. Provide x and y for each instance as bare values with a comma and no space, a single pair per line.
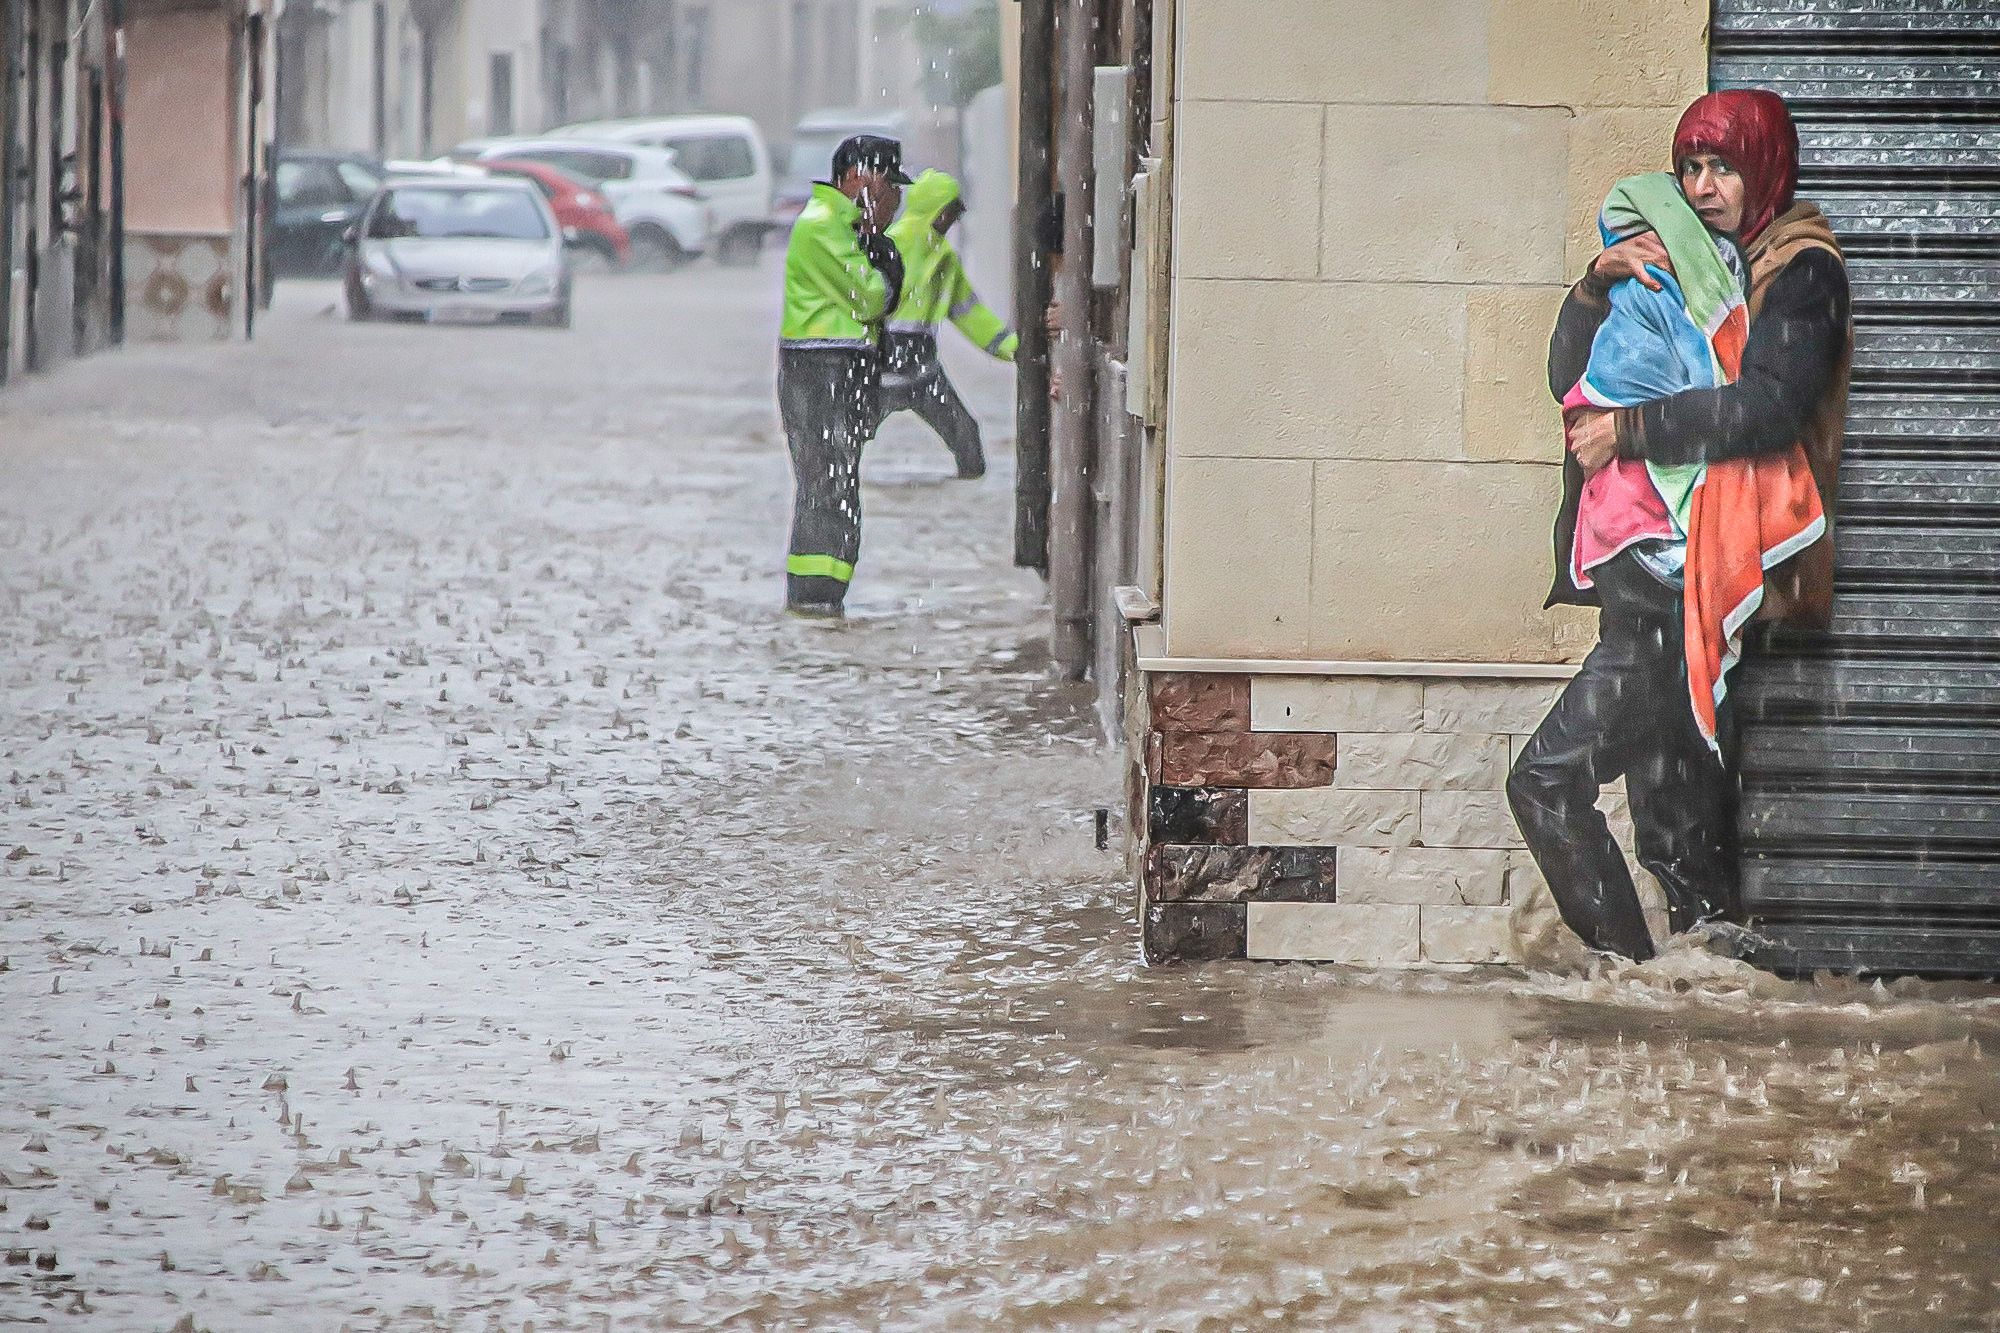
1737,519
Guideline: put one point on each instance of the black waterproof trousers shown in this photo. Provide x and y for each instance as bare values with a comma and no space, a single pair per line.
915,381
827,397
1626,713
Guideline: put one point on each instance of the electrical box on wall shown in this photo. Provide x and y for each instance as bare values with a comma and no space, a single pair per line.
1139,314
1111,97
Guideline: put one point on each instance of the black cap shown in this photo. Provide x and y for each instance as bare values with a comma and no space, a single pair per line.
870,152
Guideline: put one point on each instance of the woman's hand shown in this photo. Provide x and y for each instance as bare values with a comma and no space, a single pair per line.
1628,259
1593,440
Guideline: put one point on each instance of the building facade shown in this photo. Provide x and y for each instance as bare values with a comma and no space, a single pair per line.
1338,640
411,78
57,266
136,145
197,123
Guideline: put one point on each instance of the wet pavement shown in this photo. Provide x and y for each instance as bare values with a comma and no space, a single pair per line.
437,890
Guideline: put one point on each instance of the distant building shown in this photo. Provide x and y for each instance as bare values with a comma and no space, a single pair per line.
198,122
411,78
56,261
146,223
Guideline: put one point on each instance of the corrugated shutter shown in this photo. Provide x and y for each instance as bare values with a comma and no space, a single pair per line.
1871,762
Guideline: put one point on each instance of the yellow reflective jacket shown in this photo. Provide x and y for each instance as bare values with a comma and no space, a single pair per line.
935,287
833,295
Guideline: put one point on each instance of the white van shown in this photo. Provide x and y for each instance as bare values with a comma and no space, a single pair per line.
724,155
811,155
668,215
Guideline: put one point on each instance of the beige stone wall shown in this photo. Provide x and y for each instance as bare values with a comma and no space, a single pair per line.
1377,208
1347,819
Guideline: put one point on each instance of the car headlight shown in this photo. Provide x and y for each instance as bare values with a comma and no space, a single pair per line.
376,271
538,283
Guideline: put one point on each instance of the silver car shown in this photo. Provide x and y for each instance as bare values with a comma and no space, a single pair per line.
458,248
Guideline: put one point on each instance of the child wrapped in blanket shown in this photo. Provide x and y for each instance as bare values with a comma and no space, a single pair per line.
1689,333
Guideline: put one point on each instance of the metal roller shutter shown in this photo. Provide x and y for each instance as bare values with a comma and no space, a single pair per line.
1871,761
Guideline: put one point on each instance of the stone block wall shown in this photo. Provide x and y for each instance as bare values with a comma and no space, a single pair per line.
1376,211
1352,819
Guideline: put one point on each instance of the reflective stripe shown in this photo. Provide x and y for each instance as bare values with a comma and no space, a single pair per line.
999,339
965,307
819,567
911,326
821,344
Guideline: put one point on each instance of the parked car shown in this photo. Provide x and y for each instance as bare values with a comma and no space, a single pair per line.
402,168
448,247
724,155
810,156
668,218
590,225
318,197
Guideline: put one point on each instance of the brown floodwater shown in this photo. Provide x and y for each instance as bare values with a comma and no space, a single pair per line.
436,891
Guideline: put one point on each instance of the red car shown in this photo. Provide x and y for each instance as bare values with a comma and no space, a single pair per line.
576,205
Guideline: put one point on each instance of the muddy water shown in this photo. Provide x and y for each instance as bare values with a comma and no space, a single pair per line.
436,892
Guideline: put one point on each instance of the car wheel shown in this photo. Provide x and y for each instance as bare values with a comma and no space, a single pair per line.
655,251
556,317
741,246
592,257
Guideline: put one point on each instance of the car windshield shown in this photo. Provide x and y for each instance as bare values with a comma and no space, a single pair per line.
437,214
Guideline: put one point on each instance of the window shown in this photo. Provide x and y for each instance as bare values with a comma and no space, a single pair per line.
509,215
724,158
591,166
309,185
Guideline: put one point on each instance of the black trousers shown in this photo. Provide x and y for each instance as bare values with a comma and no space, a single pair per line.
828,400
1626,713
915,382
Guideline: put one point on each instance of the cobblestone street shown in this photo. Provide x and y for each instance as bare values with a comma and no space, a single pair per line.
439,890
389,706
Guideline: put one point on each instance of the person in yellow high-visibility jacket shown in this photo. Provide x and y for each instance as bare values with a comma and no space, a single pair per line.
842,278
935,289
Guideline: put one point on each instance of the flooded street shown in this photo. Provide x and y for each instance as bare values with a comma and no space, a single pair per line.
439,890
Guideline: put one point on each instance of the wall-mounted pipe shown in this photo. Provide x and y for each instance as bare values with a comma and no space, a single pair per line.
10,171
1073,356
1031,285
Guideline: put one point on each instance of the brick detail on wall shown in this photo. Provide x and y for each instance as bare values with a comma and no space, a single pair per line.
1329,816
1466,934
1358,820
1243,759
1242,874
1318,703
1193,701
1198,815
1434,876
1193,932
1377,935
1423,761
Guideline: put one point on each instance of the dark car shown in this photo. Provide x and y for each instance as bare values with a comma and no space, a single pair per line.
319,196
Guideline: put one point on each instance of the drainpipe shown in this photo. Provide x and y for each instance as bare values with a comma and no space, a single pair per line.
1031,287
115,14
10,167
1070,431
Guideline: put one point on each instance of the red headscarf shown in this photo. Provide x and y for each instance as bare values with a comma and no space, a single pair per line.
1752,131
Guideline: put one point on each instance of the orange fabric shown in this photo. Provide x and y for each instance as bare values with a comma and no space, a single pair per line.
1755,515
1749,514
1800,591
